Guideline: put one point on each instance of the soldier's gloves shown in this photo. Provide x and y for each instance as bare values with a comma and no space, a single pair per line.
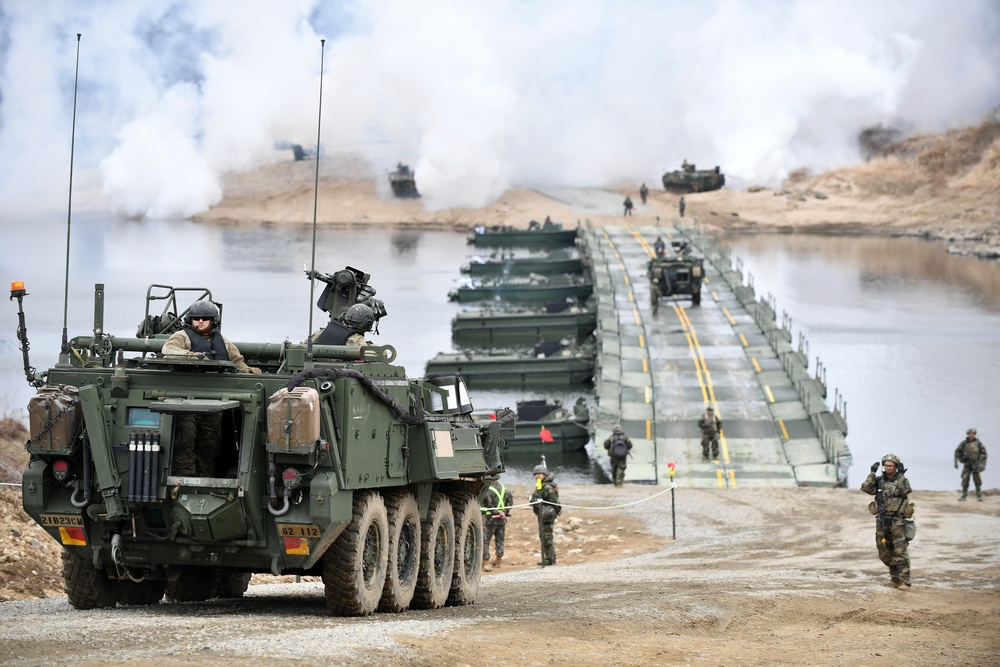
875,467
253,370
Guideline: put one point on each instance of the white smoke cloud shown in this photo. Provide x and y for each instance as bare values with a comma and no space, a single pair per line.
478,97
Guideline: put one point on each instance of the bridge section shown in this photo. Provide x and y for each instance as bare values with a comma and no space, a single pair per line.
658,372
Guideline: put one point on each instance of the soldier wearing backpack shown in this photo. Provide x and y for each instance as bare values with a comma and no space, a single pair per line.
618,446
710,426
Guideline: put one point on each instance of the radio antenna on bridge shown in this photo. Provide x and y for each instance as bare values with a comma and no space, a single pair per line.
69,211
312,267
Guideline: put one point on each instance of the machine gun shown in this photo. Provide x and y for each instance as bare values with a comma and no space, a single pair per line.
344,289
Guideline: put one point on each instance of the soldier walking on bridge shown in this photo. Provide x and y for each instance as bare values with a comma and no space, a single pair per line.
618,446
891,508
972,454
628,206
710,426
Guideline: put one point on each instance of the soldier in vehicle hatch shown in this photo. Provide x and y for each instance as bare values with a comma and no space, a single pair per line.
972,455
349,329
198,436
892,509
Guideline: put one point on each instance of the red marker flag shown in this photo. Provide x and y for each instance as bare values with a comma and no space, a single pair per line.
546,435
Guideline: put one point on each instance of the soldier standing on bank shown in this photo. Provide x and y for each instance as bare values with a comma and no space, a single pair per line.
628,205
545,502
643,192
972,454
890,507
618,446
710,426
682,205
495,503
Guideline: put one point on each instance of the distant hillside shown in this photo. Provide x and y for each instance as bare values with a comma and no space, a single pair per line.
954,164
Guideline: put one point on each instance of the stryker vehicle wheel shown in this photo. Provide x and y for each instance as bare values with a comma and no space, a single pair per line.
142,593
228,584
86,586
404,552
437,554
354,567
192,584
468,550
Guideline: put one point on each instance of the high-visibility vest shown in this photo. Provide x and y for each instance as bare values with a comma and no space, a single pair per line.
500,507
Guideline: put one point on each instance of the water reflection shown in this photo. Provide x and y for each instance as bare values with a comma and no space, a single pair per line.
909,334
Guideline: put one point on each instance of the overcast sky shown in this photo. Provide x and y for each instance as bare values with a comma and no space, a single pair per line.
477,96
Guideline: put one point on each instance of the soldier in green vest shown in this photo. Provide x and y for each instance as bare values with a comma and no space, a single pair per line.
495,503
972,455
545,502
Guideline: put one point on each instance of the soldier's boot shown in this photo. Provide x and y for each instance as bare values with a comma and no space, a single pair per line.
979,495
486,564
497,561
965,492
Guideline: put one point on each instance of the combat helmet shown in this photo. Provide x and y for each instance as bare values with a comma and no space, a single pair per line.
971,431
202,308
890,457
540,470
360,317
617,429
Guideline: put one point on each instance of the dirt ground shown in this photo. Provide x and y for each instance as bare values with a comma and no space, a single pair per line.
754,577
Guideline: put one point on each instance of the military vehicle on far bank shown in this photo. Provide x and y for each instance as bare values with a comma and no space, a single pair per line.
680,274
331,462
687,179
403,182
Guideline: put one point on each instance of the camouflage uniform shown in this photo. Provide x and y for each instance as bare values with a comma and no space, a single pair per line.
618,463
972,454
495,503
628,205
710,426
892,551
643,192
547,491
682,205
199,436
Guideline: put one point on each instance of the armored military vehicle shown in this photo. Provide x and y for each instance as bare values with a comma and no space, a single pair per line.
331,462
403,182
555,262
688,179
678,275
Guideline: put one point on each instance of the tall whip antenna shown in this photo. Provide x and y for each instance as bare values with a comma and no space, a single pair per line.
69,211
312,268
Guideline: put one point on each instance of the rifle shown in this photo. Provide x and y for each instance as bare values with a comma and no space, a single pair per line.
880,503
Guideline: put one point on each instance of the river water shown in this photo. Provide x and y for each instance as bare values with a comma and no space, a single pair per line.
909,335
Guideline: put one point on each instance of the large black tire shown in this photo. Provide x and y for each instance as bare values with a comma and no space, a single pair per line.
86,586
404,552
142,593
193,584
437,554
355,565
468,550
228,584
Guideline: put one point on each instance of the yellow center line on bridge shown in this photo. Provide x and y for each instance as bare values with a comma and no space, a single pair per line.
726,311
648,393
627,282
744,339
635,313
784,431
631,296
755,364
705,381
645,365
715,295
767,390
